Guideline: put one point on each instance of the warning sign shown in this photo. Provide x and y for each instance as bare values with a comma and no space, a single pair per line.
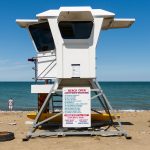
76,107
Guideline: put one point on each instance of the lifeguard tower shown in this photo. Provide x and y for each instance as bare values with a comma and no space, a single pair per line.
65,41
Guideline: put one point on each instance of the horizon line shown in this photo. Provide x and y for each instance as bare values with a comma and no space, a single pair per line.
97,80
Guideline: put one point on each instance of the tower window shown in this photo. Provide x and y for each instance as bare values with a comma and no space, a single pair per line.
42,36
75,29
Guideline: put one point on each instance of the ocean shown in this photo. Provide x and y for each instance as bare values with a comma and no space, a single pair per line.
121,95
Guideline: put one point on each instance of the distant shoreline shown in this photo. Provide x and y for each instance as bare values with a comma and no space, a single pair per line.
16,111
98,81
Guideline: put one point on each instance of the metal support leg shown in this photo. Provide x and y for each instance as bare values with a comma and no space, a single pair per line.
98,93
105,103
60,131
35,124
103,96
46,120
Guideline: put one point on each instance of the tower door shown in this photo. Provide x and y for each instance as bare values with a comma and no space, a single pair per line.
75,70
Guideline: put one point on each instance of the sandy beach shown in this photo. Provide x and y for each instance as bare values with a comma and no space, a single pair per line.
138,127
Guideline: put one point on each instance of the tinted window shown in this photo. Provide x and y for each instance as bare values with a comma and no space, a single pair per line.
75,29
42,36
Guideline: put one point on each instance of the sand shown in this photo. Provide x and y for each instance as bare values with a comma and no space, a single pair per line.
139,129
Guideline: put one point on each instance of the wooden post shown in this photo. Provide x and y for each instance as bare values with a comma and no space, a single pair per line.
41,99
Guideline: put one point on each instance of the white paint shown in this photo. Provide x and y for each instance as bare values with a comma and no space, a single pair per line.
43,88
24,23
73,51
95,12
46,66
75,70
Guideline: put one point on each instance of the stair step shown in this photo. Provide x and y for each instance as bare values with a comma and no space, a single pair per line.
57,106
57,101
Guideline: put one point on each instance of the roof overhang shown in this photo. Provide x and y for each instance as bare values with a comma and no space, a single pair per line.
56,13
113,23
25,23
78,14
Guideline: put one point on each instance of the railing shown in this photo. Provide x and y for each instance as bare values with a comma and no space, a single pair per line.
46,70
50,66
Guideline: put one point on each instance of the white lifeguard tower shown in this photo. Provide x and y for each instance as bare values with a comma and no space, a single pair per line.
65,41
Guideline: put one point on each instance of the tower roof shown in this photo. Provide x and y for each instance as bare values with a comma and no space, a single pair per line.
74,13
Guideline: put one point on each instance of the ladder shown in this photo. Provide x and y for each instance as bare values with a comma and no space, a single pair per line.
56,103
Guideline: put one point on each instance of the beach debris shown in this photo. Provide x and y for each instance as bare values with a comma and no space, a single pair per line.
97,138
12,123
6,136
28,122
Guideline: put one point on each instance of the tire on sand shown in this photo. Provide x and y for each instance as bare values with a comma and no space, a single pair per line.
6,136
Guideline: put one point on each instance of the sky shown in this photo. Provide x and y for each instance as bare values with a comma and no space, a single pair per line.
122,54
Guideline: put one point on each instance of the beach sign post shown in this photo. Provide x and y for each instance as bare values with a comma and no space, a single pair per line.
77,107
65,41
